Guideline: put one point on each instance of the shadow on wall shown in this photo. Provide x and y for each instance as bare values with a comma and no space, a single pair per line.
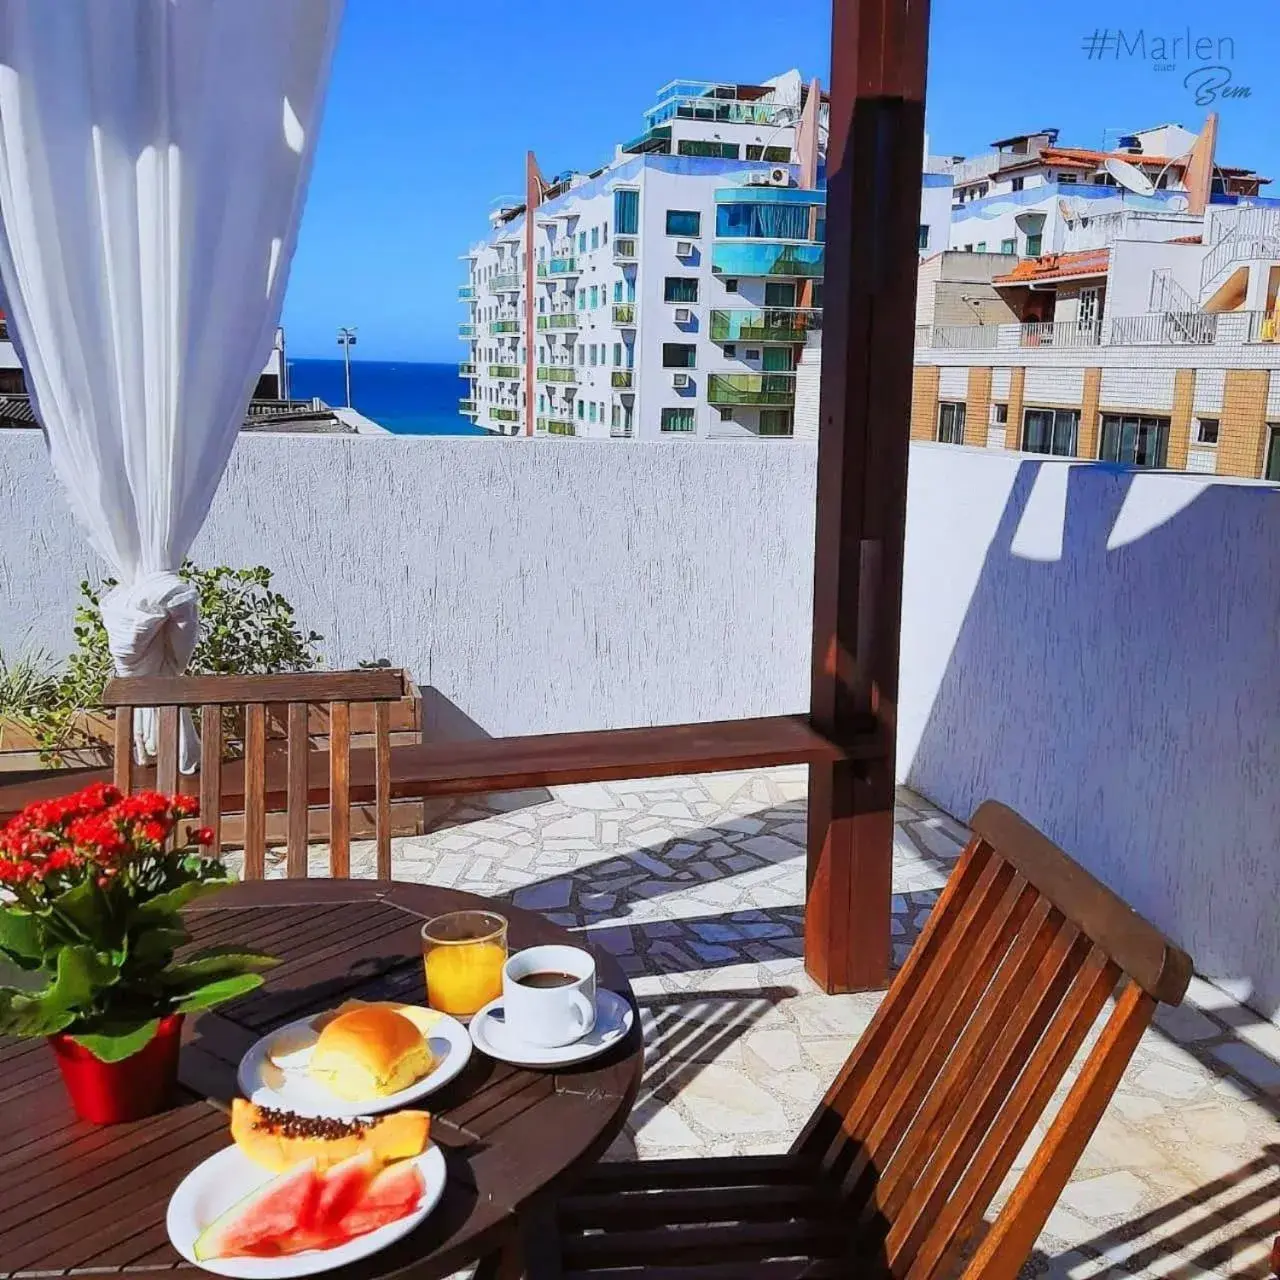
1123,693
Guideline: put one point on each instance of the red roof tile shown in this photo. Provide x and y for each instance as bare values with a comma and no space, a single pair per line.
1058,266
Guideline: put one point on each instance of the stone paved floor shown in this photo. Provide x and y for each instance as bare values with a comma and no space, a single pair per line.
697,883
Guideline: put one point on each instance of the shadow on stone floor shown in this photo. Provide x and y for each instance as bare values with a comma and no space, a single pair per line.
1223,1228
682,1033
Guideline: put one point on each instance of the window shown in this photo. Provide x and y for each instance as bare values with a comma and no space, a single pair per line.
726,413
999,415
680,289
595,237
982,246
684,222
1009,246
617,355
968,248
779,293
617,291
730,349
1068,178
1087,314
1017,184
582,299
1033,245
582,356
922,236
951,422
763,221
679,355
677,420
542,404
1206,431
591,407
582,409
770,155
582,242
731,284
626,212
775,422
595,296
779,359
1050,431
699,147
751,353
593,355
1133,440
1272,470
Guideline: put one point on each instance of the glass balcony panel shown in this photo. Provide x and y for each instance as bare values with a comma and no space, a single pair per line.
766,258
504,371
764,324
504,326
466,406
561,266
507,283
624,313
504,415
465,293
752,388
622,378
557,373
559,320
557,426
466,331
467,369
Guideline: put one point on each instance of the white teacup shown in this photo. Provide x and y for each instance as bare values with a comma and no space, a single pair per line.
549,995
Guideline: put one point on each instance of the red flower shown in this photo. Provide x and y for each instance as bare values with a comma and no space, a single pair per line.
154,831
202,836
186,806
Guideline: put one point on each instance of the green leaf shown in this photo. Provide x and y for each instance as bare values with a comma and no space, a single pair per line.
165,905
217,962
85,907
218,992
154,945
115,1040
20,934
81,975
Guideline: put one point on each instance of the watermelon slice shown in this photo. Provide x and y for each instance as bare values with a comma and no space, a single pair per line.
254,1226
394,1194
342,1189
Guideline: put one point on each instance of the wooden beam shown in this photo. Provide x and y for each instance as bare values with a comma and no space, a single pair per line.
874,161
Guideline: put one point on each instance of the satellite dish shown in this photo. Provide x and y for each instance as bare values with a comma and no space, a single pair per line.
1130,177
1065,210
1179,204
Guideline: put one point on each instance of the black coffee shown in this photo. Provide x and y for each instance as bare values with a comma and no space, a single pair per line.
547,978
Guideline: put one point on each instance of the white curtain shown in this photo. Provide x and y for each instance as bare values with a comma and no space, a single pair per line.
154,157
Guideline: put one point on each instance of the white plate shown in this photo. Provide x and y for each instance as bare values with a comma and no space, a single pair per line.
264,1083
211,1188
614,1017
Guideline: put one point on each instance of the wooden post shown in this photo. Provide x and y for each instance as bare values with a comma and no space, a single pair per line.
874,161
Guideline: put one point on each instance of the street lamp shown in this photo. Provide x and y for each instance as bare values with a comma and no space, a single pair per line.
347,340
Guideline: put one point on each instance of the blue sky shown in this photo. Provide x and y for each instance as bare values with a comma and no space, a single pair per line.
432,106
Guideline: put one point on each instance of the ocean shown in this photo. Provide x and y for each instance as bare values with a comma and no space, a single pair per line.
409,399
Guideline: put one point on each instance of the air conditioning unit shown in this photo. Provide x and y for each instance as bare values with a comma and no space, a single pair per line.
684,248
684,315
680,381
775,177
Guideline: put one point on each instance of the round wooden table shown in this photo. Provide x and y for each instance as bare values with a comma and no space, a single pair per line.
92,1200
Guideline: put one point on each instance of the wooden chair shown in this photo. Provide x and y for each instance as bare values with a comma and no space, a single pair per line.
293,779
892,1175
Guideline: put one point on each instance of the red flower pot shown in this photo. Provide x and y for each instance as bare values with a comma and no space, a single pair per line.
112,1092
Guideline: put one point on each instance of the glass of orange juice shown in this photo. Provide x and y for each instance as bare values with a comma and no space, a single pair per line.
464,953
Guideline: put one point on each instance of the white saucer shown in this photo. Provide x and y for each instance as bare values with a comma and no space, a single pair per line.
489,1034
261,1082
217,1183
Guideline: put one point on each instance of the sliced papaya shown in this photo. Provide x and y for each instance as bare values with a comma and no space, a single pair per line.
277,1140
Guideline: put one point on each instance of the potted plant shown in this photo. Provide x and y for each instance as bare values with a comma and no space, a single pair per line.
91,890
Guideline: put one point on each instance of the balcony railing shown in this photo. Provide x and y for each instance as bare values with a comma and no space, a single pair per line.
499,414
466,406
752,388
504,326
466,331
624,249
467,369
624,313
621,432
559,320
508,283
1165,327
562,266
1060,333
557,426
766,258
504,371
623,378
770,324
557,373
466,293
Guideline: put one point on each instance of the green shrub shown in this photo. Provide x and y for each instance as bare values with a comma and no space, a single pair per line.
246,629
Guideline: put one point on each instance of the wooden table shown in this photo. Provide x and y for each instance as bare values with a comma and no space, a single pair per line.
89,1200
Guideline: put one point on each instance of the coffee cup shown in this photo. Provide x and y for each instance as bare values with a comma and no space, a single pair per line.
549,995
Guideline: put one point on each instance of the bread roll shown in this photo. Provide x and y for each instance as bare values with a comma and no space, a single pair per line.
369,1052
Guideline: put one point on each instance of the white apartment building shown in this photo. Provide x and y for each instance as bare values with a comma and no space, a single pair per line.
670,293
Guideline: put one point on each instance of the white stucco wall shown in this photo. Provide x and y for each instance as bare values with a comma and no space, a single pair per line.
1094,647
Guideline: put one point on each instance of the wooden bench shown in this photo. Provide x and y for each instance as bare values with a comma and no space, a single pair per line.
893,1174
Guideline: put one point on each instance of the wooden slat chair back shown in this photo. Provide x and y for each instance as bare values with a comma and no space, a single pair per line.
895,1170
328,774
